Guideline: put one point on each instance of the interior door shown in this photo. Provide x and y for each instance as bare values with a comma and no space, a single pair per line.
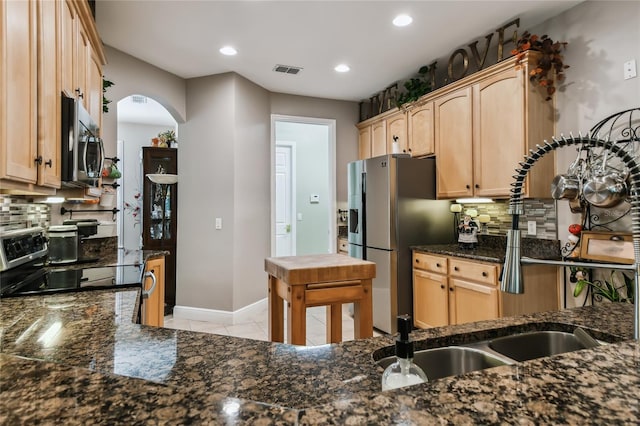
284,207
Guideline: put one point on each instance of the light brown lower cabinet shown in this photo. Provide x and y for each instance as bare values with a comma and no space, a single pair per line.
153,293
448,290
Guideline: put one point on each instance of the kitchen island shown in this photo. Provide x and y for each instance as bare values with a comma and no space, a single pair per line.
78,357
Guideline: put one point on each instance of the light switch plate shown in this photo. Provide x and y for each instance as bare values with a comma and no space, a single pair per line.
531,227
629,69
218,223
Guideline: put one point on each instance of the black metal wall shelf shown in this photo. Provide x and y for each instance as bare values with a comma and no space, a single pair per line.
64,211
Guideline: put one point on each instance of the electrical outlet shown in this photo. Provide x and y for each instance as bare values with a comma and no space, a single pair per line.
531,227
629,69
218,223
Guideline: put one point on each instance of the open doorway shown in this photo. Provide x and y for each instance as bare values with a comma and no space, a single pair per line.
303,186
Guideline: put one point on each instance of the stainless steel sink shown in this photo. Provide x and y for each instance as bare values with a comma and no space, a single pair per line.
450,361
536,344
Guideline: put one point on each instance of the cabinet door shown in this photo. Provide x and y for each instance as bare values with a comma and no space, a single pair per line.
18,91
421,130
159,206
430,299
397,133
67,48
473,302
153,305
82,64
364,143
454,144
499,130
94,88
378,139
49,171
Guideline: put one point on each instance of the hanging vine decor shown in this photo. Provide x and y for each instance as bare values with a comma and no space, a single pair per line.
550,66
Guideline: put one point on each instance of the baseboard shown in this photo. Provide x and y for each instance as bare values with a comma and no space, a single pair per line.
244,314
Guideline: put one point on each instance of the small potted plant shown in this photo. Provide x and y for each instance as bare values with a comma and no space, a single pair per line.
166,139
550,65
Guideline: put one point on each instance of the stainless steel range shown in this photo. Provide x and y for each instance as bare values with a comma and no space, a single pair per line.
25,269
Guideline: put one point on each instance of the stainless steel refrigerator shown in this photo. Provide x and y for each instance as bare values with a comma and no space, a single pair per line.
392,207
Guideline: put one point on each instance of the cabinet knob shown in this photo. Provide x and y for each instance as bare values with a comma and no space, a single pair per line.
437,265
451,289
477,186
49,163
442,286
38,160
484,274
417,260
409,149
468,186
455,268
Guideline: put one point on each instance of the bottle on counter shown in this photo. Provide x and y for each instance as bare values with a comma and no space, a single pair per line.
403,372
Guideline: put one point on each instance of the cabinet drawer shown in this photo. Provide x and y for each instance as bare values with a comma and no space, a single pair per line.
428,262
343,246
485,273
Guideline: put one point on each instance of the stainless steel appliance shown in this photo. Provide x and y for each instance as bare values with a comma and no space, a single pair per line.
63,244
24,271
82,147
392,207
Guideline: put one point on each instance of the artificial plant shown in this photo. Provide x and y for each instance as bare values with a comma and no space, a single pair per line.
550,65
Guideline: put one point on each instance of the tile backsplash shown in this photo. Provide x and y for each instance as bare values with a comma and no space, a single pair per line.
542,211
18,213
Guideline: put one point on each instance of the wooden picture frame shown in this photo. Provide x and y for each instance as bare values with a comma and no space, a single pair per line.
614,247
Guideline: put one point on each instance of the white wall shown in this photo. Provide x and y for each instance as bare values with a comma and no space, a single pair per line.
602,35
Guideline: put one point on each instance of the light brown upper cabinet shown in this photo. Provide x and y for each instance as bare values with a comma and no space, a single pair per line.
485,129
50,47
480,128
454,144
397,133
18,79
364,142
421,130
378,138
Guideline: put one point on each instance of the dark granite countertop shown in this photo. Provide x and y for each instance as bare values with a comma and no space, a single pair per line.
78,358
492,248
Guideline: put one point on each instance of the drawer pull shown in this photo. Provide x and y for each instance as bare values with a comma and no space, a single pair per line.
442,286
484,274
437,265
455,268
417,260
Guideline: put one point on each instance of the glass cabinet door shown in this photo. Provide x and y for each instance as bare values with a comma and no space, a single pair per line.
159,217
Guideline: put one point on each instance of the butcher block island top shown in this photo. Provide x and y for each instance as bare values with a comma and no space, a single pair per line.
101,368
316,268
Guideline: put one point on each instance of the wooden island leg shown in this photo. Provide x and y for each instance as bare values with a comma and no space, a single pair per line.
296,316
363,313
334,323
276,312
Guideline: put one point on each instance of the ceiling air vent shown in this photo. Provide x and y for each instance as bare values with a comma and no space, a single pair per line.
287,69
138,99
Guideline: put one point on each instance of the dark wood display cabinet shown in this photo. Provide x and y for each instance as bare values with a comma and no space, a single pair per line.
160,211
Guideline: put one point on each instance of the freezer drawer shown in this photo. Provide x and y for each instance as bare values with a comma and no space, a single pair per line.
384,289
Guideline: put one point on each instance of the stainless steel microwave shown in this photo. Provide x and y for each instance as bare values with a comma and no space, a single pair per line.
82,147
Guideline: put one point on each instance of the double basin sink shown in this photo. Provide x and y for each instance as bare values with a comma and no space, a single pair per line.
456,360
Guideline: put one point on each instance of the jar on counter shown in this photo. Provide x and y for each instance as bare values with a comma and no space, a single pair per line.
63,244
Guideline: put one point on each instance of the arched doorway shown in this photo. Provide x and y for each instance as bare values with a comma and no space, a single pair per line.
140,119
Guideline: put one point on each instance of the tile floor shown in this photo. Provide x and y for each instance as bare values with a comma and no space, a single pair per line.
258,327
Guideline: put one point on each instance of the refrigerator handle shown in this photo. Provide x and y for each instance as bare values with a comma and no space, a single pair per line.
363,214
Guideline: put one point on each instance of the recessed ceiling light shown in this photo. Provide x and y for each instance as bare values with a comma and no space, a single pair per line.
342,68
228,50
402,20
